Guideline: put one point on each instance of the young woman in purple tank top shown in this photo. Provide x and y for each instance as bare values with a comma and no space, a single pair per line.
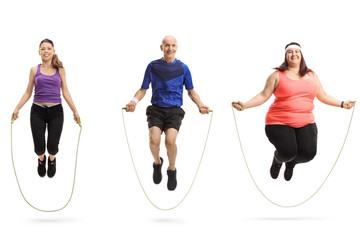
48,79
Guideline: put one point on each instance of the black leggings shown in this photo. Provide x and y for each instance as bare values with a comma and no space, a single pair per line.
53,118
293,144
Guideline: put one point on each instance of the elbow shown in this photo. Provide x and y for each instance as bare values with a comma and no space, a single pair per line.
141,92
322,97
28,95
66,95
264,97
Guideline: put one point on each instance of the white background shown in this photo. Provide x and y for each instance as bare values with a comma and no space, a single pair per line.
230,48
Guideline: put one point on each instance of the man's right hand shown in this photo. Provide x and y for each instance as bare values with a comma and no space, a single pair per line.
130,107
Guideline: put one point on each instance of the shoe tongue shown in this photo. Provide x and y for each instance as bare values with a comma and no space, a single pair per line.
52,162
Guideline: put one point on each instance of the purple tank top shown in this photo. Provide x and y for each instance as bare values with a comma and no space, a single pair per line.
47,88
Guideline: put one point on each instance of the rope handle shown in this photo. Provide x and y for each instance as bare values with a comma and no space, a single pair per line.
354,105
124,108
13,120
234,104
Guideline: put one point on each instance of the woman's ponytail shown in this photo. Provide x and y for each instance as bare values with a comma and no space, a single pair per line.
56,63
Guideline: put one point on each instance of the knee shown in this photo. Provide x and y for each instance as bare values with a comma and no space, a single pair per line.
154,141
286,155
170,143
39,152
52,149
306,156
39,149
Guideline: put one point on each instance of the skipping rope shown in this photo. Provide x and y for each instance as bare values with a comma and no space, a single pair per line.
137,175
312,195
17,180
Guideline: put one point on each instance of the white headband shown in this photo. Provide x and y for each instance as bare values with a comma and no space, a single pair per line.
293,46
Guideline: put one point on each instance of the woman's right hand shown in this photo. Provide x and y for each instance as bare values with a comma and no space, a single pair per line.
15,115
238,105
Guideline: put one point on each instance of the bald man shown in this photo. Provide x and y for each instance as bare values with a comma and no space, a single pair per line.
167,77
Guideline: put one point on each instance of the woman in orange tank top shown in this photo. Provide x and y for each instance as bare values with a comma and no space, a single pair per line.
290,124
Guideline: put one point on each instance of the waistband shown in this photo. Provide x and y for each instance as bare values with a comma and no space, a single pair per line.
46,106
173,107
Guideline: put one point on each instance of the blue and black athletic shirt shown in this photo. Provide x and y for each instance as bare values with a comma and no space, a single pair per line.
167,81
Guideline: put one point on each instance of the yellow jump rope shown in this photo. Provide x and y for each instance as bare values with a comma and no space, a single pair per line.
312,195
17,180
137,175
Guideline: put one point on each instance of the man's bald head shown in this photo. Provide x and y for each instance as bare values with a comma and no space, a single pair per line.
169,47
168,38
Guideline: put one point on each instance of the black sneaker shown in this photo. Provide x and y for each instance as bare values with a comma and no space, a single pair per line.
171,184
157,176
51,168
289,170
42,167
275,169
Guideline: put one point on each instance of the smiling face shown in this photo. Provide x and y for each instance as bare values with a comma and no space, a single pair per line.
293,56
169,47
46,51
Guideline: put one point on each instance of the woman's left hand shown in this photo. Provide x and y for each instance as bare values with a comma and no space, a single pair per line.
349,104
77,117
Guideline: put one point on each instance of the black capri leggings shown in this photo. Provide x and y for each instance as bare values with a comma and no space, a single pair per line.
53,118
293,144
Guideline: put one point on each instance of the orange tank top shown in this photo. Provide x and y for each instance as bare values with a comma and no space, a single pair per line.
293,102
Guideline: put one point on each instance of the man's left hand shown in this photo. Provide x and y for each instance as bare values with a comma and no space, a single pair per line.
203,109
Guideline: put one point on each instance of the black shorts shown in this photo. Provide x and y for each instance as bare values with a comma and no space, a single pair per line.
164,117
